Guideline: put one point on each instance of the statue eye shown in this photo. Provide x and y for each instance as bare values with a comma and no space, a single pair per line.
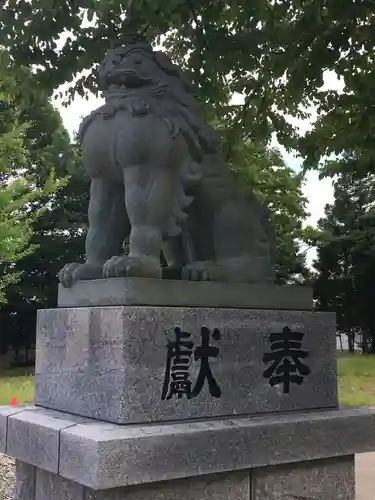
138,60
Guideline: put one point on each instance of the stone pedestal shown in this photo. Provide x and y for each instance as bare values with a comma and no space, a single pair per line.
131,364
135,397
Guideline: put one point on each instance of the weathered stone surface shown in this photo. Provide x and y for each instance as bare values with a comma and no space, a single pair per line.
103,456
331,479
53,487
226,486
24,488
5,411
173,293
33,436
109,363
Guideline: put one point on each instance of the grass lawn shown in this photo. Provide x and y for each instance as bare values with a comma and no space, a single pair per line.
17,382
356,382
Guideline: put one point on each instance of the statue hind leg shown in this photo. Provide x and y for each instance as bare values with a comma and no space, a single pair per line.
239,248
231,230
108,227
242,244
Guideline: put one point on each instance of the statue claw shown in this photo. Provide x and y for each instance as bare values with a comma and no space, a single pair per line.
199,271
66,274
71,273
132,267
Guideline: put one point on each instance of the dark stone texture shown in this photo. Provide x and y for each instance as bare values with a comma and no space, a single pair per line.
331,479
53,487
33,436
24,488
227,486
5,412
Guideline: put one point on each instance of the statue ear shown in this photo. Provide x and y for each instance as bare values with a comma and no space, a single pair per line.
120,50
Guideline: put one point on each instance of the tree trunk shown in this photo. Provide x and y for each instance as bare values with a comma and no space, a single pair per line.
372,338
350,340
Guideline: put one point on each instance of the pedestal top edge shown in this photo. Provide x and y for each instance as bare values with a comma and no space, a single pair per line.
101,431
175,293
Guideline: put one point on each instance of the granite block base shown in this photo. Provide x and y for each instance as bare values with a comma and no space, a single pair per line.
281,451
24,488
129,364
226,486
326,479
330,479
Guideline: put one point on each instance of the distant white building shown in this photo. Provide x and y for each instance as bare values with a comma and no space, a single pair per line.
342,343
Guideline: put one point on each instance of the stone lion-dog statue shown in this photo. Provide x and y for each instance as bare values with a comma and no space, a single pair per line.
159,178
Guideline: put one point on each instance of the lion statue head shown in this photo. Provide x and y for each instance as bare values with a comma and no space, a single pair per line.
146,81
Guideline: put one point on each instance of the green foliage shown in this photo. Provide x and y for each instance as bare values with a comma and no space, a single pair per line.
345,130
21,199
238,46
346,257
58,209
272,53
59,238
43,202
227,47
345,44
342,40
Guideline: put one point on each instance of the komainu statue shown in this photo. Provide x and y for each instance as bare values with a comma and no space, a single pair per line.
158,177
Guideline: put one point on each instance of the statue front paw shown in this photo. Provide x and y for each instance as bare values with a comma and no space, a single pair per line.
71,273
132,267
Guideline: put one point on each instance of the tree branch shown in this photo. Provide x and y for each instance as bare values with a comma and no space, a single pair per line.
241,116
157,13
194,14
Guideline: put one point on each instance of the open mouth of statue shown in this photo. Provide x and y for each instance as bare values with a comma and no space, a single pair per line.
128,77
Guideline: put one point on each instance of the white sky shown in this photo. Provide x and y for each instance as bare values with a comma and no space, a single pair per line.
318,192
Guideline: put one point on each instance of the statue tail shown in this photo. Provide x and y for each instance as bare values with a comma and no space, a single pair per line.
190,175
